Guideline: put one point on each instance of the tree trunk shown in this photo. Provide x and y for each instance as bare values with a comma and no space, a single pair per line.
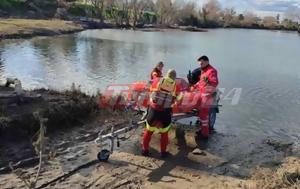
134,15
101,12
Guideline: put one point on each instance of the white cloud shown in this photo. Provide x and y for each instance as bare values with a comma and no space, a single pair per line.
259,6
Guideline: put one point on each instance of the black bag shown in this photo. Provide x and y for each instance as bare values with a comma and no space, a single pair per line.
194,77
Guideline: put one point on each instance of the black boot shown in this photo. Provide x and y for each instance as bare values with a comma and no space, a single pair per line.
165,154
199,136
145,153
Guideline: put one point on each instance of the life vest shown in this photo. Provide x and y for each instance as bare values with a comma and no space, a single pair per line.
162,93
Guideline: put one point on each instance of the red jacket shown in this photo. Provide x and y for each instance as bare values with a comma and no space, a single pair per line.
208,80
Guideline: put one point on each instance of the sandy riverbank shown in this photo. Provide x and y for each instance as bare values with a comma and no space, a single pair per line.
128,169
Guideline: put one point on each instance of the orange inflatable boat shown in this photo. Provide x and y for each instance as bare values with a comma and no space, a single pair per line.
137,94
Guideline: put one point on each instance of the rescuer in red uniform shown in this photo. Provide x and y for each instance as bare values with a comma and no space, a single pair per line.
207,86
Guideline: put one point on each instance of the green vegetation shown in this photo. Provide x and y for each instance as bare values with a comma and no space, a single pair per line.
10,4
28,8
81,10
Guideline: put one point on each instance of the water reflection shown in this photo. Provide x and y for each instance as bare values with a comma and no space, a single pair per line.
263,63
96,58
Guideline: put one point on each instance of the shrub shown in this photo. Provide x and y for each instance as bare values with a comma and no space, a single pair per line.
8,5
81,10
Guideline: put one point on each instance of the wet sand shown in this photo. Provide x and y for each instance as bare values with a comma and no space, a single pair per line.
126,168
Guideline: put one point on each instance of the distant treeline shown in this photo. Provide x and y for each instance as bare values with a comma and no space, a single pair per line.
157,12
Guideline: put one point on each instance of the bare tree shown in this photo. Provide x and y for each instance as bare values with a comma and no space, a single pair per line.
210,13
249,19
186,13
203,15
293,13
270,21
212,9
99,7
165,11
188,9
120,9
278,18
126,12
137,9
149,5
228,16
290,25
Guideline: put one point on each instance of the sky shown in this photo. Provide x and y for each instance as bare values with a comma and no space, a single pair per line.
260,7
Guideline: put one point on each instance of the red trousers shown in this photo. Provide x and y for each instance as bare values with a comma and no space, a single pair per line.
164,140
206,103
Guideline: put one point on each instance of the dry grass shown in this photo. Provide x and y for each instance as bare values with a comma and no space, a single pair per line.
28,27
285,177
30,182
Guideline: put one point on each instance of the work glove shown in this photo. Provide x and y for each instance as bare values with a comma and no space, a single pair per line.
205,79
179,97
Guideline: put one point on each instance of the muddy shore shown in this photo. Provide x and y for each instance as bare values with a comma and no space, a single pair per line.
61,108
75,121
75,150
20,113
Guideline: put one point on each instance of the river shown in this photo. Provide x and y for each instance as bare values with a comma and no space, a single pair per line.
263,66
